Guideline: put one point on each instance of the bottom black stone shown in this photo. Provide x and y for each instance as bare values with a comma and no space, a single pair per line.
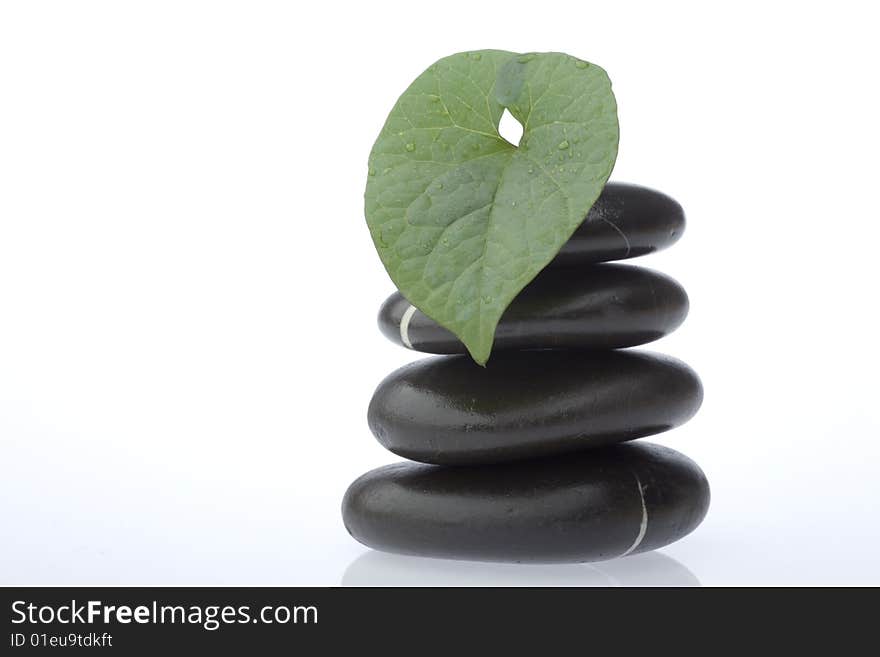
589,506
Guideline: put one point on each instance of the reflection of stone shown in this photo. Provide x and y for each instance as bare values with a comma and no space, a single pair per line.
383,569
539,494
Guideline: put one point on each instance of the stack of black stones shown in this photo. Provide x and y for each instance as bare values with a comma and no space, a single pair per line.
527,459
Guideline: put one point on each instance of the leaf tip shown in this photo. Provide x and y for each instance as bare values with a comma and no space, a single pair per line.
479,352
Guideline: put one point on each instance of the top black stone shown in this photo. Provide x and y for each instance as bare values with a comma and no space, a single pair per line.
626,221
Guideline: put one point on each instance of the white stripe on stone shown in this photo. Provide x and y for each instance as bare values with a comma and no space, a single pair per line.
622,234
643,527
404,326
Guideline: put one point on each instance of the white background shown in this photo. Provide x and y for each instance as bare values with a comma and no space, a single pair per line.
188,289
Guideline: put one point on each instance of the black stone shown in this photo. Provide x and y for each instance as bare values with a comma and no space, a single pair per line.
591,307
590,506
527,404
626,221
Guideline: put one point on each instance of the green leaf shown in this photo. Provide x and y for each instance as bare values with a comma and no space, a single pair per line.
462,219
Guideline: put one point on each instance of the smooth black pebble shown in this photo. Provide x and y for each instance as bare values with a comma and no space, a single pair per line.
589,307
591,506
528,404
626,221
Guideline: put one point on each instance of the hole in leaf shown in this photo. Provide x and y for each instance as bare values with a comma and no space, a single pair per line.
510,128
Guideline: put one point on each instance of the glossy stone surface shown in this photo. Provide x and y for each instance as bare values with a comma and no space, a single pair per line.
588,506
625,222
590,307
529,404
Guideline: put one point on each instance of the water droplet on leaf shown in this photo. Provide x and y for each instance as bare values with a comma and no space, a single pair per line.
410,147
563,145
